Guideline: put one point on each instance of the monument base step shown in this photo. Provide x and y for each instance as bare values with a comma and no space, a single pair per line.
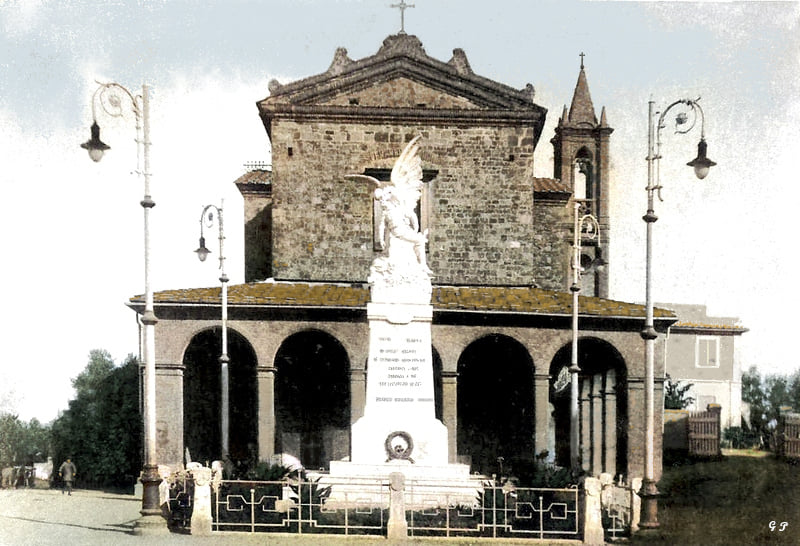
366,486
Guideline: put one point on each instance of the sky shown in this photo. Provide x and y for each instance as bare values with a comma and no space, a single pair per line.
73,229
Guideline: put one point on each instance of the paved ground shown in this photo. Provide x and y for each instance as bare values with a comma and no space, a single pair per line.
45,517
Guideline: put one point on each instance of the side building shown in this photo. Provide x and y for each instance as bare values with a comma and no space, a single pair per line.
499,245
701,350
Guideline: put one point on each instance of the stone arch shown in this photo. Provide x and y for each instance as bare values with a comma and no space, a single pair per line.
202,397
496,404
603,406
312,398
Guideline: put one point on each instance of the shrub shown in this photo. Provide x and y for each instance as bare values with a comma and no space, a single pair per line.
539,473
740,438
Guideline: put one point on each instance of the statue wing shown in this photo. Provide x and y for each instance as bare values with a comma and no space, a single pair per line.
367,178
407,170
363,177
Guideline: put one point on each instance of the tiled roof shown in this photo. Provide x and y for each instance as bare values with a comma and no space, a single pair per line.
258,176
698,326
444,298
549,185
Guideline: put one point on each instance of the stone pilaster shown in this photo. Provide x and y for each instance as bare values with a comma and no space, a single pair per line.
586,423
636,415
450,412
265,376
358,393
169,414
597,424
541,397
610,423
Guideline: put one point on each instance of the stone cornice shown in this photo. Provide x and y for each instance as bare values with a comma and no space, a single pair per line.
364,114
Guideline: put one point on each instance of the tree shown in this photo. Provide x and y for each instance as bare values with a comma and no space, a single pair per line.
22,443
676,395
91,379
767,396
11,431
101,429
753,394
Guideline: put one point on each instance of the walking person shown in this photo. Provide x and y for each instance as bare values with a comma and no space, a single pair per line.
67,473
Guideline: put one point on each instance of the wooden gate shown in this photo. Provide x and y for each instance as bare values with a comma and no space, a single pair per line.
788,435
704,432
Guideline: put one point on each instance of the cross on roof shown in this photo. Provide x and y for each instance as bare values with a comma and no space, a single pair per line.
582,56
402,6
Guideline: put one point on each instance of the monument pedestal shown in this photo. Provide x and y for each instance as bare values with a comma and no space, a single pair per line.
399,431
399,421
426,486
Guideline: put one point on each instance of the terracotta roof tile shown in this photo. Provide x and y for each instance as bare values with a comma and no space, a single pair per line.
685,325
258,176
549,185
461,298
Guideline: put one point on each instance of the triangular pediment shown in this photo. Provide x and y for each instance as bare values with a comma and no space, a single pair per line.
401,75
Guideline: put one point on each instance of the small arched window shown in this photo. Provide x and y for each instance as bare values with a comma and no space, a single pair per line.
583,175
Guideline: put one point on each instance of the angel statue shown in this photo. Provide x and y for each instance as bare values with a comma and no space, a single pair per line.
404,259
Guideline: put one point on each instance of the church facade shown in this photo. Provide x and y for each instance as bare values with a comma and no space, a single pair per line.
500,247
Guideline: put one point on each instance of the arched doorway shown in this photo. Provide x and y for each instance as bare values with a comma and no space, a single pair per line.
312,398
602,406
495,404
202,398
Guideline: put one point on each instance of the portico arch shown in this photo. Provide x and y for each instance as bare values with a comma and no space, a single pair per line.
602,406
312,398
202,397
495,403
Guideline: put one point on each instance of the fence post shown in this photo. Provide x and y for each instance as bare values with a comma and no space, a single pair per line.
201,514
716,410
593,512
636,504
397,526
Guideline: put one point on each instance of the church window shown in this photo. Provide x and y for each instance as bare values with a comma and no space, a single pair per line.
707,352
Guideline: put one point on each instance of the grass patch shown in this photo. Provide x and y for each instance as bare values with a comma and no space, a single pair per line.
730,501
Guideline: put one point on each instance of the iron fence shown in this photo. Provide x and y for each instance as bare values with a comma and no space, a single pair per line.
499,512
361,507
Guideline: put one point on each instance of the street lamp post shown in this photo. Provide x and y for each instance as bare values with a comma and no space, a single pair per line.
701,165
207,220
110,96
585,226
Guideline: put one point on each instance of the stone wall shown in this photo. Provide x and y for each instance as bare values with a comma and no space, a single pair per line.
482,214
552,243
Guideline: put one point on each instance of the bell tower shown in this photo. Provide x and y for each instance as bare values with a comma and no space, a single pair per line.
581,162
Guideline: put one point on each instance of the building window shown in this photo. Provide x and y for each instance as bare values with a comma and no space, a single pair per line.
423,209
706,351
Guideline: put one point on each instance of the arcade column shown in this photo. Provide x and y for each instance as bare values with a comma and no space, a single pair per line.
450,412
265,376
541,402
358,393
169,417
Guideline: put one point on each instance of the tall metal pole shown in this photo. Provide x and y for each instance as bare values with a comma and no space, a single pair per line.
590,225
701,165
224,360
150,478
574,369
151,519
649,492
223,357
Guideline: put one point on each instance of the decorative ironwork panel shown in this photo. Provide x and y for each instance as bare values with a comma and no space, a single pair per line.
501,513
324,506
298,507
